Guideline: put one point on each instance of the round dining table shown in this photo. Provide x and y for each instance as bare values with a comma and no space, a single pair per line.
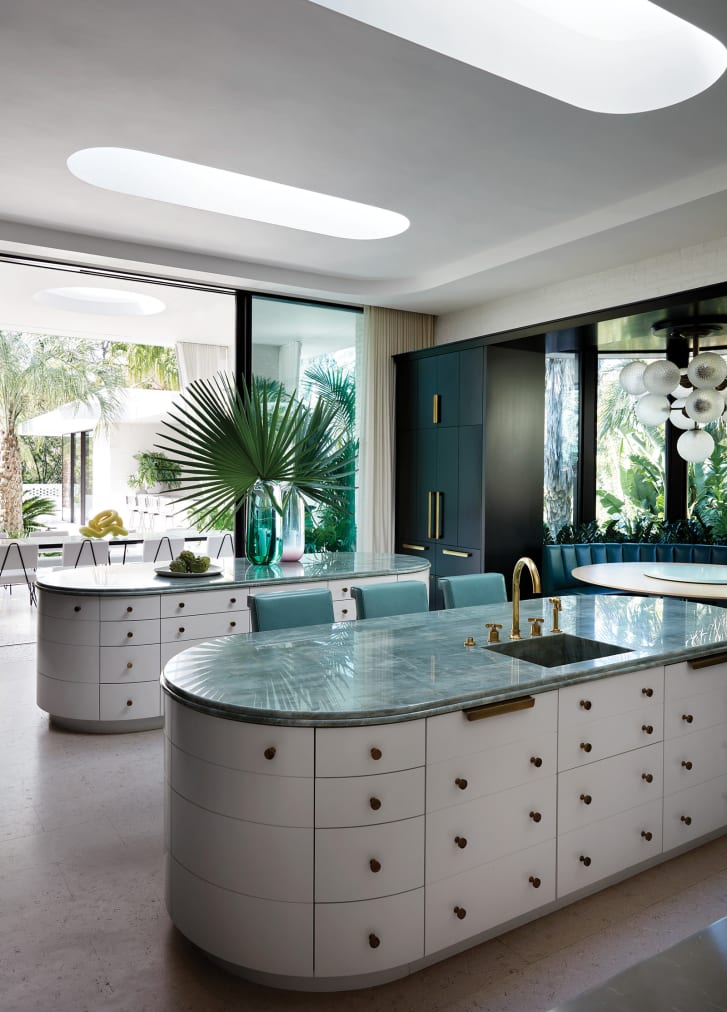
670,579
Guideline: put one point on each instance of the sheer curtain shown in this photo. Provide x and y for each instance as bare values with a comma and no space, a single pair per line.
386,332
200,361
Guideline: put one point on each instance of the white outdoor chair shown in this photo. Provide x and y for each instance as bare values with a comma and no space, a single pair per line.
85,553
162,549
220,546
18,564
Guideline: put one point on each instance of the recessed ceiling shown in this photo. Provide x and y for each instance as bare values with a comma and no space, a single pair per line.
506,189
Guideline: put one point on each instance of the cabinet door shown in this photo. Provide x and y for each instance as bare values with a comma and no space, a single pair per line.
437,380
471,389
469,503
446,504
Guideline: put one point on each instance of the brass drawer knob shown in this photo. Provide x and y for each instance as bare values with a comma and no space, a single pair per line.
129,635
344,611
647,835
585,860
536,761
376,754
461,842
586,746
77,607
686,764
647,692
344,590
375,803
585,704
460,912
129,609
374,941
534,881
687,717
586,799
686,819
129,702
270,752
647,728
129,664
648,777
461,783
536,816
375,865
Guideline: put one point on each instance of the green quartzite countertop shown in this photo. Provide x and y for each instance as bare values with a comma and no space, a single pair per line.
410,666
140,578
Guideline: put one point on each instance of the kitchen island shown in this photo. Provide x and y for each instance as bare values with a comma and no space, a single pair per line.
347,804
105,632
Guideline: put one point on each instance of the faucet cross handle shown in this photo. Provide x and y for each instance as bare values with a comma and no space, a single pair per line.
557,606
535,626
494,635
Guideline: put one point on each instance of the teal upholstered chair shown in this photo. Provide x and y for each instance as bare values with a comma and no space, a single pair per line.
287,609
379,599
473,588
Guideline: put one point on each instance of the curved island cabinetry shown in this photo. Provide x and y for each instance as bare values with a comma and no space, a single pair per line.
374,797
105,632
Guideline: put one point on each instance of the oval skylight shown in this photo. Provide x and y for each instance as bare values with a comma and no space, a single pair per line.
611,56
174,181
101,301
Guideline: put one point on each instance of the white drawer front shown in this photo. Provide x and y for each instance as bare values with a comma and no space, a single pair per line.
274,801
370,935
131,664
598,790
69,662
273,937
119,634
367,801
684,680
204,602
379,748
60,630
698,810
460,907
693,758
271,862
344,611
135,701
129,609
204,627
599,739
450,734
478,774
603,848
582,704
67,699
67,606
483,830
259,748
368,861
696,711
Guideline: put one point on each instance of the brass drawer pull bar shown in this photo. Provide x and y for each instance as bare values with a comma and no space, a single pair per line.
438,516
436,408
708,662
415,548
457,555
495,709
429,514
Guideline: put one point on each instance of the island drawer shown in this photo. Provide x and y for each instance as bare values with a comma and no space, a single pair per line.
259,748
195,627
130,664
604,848
366,801
492,894
488,828
68,662
65,606
478,774
696,711
67,699
344,611
370,935
685,680
597,790
694,812
135,701
694,758
60,630
451,734
598,739
606,697
375,748
129,609
341,589
204,602
117,634
364,862
239,794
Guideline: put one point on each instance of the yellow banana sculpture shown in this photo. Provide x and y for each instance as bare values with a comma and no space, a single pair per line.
105,522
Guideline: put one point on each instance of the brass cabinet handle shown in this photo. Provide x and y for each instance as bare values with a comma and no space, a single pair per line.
461,783
536,816
270,752
647,835
429,514
457,555
129,664
688,717
647,692
460,912
586,704
536,761
375,803
708,662
461,842
586,746
495,709
647,728
438,516
436,408
534,881
648,777
585,860
412,548
374,941
586,799
686,764
686,819
374,865
376,753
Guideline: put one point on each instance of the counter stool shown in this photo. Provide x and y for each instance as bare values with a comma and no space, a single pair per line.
473,588
287,609
379,599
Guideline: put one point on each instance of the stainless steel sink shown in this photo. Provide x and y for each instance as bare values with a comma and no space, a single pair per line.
552,651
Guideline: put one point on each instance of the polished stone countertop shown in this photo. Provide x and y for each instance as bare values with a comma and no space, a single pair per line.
410,666
141,578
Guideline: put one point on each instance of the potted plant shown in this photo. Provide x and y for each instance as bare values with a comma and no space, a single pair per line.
257,446
156,472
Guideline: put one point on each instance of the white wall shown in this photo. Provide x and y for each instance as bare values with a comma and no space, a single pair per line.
691,267
113,462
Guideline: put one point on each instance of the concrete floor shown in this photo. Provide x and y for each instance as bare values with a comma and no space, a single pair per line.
83,924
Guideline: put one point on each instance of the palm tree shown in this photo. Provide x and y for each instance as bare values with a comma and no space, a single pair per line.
39,373
149,366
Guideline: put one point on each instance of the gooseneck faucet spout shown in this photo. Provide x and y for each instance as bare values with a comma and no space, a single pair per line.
535,577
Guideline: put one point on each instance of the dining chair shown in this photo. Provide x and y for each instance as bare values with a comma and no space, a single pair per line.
161,549
287,609
379,599
18,564
473,588
86,553
220,546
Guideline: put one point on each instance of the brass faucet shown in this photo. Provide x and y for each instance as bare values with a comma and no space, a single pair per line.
535,577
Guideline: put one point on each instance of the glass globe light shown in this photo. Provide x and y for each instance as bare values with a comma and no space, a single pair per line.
704,405
681,421
661,377
683,387
707,370
695,445
631,378
679,402
652,409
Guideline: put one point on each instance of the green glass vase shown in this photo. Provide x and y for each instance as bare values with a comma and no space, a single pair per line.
264,543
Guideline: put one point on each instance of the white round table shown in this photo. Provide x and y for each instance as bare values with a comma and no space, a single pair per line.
632,577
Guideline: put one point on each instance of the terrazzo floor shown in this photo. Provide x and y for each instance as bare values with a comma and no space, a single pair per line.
83,924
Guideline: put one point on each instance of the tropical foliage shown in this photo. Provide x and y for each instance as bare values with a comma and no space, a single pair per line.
149,366
645,528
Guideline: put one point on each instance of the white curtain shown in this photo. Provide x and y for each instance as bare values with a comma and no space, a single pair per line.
200,361
386,332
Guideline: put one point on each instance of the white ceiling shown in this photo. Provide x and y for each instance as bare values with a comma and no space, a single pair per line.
506,189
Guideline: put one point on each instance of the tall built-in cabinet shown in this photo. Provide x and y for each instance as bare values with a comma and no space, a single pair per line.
469,457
